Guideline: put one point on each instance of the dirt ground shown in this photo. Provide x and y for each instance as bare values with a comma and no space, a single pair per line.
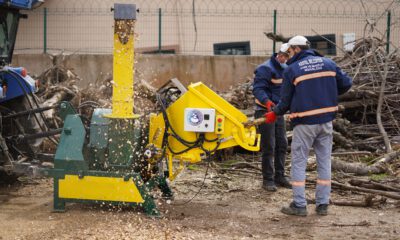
230,206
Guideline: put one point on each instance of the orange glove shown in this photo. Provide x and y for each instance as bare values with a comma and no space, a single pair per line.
269,105
270,117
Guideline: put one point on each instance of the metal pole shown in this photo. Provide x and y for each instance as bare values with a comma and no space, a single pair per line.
388,32
274,44
159,30
44,30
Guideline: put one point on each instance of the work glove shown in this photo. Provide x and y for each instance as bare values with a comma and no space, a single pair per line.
269,105
270,117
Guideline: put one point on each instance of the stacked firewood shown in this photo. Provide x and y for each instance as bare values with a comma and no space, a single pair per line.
58,84
369,65
241,95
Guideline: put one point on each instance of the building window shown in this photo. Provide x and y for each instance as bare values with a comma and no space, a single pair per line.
321,43
232,48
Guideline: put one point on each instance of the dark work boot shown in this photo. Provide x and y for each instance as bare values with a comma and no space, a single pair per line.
322,209
269,186
292,209
282,181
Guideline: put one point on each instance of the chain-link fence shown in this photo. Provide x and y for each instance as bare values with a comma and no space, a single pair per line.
207,26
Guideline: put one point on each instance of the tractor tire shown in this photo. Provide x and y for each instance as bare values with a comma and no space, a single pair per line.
28,124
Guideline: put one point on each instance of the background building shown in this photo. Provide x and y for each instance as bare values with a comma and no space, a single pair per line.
207,27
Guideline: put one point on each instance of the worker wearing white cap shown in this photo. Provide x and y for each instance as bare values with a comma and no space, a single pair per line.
266,89
311,85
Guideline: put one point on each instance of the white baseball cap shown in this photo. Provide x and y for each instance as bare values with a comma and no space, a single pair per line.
284,48
298,41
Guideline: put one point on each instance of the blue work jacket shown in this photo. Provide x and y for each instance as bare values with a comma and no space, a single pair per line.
267,82
311,85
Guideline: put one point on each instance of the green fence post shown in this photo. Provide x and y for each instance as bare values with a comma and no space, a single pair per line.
274,44
44,30
159,30
388,32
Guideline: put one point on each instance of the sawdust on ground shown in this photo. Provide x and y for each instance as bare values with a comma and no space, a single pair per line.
228,207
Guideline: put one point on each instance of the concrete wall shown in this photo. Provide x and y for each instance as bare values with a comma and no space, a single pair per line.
220,72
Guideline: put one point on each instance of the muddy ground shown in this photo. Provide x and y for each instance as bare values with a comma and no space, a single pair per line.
230,206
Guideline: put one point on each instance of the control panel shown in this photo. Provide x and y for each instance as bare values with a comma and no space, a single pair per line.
199,120
219,125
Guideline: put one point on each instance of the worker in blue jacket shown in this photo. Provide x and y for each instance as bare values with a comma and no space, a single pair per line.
266,89
311,85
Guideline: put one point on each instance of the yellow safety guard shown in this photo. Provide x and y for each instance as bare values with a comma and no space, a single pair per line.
99,188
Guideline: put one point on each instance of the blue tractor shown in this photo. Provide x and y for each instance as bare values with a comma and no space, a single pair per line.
22,126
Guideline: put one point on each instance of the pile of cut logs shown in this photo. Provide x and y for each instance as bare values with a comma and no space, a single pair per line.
376,77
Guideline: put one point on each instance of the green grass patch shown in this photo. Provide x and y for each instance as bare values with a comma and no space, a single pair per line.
228,163
379,177
367,159
193,167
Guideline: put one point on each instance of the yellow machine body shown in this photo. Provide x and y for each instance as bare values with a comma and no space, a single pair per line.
231,133
99,188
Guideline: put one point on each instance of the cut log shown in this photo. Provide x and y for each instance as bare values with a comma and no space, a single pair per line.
387,158
342,141
372,185
236,170
348,143
58,94
368,201
365,190
240,165
354,153
356,93
356,168
356,104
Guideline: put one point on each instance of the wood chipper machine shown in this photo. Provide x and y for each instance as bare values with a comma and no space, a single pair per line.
122,157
